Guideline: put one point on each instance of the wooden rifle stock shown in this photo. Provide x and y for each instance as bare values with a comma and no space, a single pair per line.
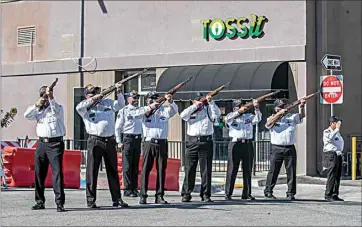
292,105
212,94
172,91
106,92
259,99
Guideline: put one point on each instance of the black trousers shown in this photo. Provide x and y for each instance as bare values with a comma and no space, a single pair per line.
98,148
278,155
198,152
130,160
333,163
45,154
237,152
154,152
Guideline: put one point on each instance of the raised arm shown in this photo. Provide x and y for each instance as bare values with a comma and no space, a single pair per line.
256,117
231,116
117,104
83,105
32,113
55,107
119,126
215,111
329,134
171,110
186,114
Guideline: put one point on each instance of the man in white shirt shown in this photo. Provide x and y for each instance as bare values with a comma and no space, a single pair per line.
333,152
129,137
100,125
50,129
200,120
240,123
155,147
282,127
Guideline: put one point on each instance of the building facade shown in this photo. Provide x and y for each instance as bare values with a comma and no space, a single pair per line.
259,46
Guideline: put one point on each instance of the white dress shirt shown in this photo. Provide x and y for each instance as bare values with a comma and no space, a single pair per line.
50,120
129,121
283,131
241,126
156,126
199,123
333,141
99,120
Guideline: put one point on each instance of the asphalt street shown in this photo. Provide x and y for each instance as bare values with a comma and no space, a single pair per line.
310,209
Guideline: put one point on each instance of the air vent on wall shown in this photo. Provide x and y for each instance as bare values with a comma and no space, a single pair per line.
25,35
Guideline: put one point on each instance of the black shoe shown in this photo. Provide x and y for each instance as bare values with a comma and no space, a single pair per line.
128,193
135,193
228,197
160,200
206,199
60,208
336,198
38,206
249,197
120,203
328,198
92,205
143,200
186,198
270,196
290,197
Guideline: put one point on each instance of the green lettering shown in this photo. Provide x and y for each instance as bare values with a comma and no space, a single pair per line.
243,28
232,29
217,29
256,28
205,23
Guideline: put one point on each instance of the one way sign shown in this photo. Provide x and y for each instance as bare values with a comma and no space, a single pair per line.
332,62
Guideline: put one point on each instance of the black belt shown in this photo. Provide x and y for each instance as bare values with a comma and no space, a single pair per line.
49,140
205,138
104,139
283,146
243,141
133,136
158,141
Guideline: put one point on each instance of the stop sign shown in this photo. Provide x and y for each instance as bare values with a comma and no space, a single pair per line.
332,89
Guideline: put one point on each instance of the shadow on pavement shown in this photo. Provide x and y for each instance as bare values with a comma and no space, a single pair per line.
204,206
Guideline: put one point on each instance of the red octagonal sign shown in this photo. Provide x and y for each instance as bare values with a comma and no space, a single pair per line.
332,89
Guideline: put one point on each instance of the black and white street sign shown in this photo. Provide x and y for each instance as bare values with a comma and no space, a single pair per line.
332,62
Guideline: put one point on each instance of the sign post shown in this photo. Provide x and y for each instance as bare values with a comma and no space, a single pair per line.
332,86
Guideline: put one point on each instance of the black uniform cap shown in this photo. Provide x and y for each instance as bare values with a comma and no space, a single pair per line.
237,102
279,103
152,95
133,94
334,119
198,96
91,89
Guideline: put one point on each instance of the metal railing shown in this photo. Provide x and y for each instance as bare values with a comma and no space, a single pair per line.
176,149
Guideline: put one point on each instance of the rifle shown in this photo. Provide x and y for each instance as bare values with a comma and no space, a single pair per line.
172,91
212,94
106,92
259,99
51,87
292,105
